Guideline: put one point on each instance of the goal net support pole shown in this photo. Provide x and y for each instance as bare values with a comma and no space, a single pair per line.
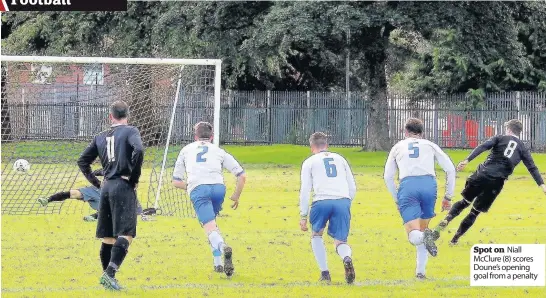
166,152
141,79
216,139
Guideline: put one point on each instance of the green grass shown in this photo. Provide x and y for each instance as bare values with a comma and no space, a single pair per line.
57,255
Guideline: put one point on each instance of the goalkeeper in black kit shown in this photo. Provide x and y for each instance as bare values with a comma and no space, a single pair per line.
485,184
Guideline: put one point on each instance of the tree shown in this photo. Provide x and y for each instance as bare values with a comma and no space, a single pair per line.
97,34
489,46
213,30
433,46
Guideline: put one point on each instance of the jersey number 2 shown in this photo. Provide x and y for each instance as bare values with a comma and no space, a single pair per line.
414,150
110,149
509,151
204,150
331,170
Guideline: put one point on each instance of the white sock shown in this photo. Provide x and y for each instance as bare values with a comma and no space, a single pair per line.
415,237
422,258
216,256
216,241
320,252
344,250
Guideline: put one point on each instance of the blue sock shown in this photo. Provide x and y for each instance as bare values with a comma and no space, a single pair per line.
216,257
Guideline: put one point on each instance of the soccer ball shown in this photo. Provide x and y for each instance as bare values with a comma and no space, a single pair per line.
21,165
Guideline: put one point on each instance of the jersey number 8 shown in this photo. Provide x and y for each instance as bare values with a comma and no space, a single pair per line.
509,151
331,170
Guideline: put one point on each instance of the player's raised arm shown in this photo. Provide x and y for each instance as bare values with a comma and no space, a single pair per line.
179,172
532,168
137,157
235,168
305,189
487,145
350,181
447,165
390,172
86,159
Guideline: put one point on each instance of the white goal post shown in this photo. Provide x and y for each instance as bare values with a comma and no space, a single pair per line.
214,65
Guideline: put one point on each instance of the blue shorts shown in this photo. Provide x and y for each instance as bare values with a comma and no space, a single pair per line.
338,215
417,197
91,195
207,200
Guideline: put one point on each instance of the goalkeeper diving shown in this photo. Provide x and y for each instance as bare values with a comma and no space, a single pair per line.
91,195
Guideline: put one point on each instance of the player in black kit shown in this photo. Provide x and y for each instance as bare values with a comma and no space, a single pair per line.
485,184
121,154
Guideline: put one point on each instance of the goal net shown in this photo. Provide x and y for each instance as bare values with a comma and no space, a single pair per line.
52,107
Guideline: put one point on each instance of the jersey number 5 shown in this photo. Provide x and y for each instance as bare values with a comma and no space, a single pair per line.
414,150
331,170
509,151
204,150
110,149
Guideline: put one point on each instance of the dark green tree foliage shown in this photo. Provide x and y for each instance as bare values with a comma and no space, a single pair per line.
213,30
433,46
492,46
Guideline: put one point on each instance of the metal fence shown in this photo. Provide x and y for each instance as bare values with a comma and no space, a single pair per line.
278,117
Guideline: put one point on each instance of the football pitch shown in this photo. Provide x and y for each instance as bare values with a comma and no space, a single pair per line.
58,256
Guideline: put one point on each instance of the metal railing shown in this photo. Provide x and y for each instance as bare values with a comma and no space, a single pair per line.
278,117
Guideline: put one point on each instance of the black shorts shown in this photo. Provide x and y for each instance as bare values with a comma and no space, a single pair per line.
117,209
482,191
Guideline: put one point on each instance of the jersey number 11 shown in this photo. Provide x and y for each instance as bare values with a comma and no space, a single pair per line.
110,149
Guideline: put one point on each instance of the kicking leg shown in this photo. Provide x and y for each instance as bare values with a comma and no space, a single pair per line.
455,210
467,222
482,203
473,188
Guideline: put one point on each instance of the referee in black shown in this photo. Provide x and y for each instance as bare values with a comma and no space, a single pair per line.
121,154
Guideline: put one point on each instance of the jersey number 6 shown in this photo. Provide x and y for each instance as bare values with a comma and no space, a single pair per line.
200,158
331,170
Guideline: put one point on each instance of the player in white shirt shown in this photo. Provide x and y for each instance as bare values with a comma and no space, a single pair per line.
199,170
414,159
329,176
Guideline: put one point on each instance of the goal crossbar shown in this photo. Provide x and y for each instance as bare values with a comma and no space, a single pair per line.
111,60
216,63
